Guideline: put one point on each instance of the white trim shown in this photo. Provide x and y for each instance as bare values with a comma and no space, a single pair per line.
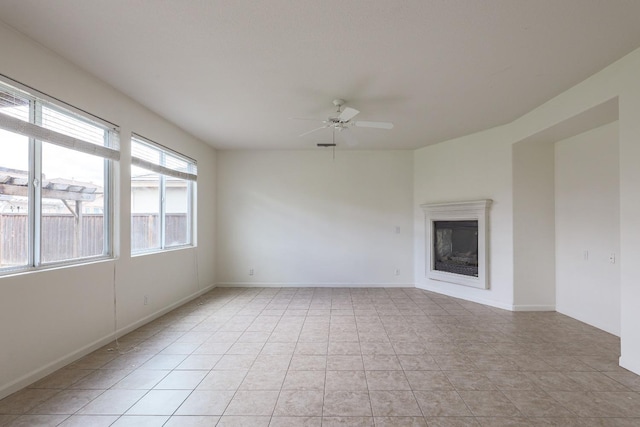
135,161
31,130
581,318
534,308
159,165
456,294
32,93
311,285
77,262
63,361
633,366
475,210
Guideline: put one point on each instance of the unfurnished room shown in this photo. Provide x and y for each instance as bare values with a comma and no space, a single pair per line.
319,213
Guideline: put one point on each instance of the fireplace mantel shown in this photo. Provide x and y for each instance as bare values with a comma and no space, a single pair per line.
476,210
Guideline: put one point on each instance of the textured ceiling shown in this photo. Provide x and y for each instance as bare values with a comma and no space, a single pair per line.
233,72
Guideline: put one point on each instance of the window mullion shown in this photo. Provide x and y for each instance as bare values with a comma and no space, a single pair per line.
107,190
35,192
31,205
189,212
106,212
163,208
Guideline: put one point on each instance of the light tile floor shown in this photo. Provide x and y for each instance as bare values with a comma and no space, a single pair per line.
333,357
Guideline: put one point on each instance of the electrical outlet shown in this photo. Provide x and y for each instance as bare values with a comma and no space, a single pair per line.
146,300
397,272
612,257
251,272
397,229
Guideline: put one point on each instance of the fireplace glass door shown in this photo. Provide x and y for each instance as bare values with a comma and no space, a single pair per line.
455,247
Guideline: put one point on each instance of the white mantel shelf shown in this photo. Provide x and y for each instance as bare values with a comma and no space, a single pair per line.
474,210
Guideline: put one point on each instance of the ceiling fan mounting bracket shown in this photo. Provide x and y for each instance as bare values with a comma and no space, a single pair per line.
339,102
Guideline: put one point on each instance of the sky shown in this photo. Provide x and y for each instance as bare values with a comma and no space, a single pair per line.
57,162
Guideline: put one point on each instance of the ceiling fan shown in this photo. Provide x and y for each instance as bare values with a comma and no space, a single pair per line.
342,121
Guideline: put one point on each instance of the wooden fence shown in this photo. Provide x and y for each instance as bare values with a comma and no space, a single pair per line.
14,239
58,235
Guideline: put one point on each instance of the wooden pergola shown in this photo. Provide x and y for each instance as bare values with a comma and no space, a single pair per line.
71,193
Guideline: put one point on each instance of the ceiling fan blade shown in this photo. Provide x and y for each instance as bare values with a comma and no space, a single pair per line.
313,130
377,125
348,137
348,114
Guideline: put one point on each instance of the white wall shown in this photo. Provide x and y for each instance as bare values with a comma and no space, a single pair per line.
449,171
533,226
48,318
470,168
617,80
629,131
301,218
343,232
588,220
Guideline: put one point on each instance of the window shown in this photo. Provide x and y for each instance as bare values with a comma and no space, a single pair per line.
163,185
56,175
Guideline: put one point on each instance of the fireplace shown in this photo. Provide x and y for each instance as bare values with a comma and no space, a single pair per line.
455,247
457,238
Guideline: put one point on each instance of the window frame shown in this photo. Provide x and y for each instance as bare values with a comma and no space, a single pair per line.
34,193
160,167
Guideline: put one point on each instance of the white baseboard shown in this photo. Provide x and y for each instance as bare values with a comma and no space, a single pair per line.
633,366
311,285
589,321
534,308
133,326
63,361
461,295
457,294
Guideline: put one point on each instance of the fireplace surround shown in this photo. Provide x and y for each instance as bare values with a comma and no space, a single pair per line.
457,242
